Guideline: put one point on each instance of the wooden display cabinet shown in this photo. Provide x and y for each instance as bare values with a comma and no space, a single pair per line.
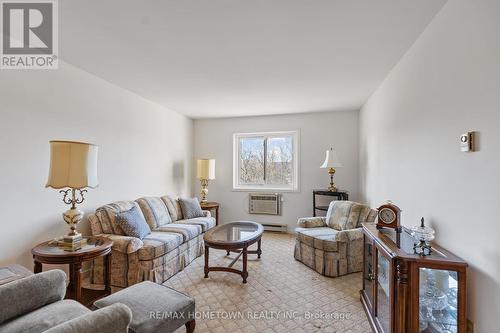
406,293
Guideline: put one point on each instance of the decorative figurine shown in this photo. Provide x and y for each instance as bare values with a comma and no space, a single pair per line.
424,235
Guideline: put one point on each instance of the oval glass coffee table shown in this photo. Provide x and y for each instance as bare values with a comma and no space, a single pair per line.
233,237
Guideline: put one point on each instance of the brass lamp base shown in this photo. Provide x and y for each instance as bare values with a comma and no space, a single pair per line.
204,190
332,187
73,215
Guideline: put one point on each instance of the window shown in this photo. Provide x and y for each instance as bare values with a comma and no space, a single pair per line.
265,161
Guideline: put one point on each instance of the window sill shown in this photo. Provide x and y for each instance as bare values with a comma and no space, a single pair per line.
265,190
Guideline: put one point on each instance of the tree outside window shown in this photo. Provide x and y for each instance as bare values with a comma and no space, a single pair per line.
266,161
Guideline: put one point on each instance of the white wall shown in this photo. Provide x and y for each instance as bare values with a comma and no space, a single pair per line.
318,131
145,149
448,83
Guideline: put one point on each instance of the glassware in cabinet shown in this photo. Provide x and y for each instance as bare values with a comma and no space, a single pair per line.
438,300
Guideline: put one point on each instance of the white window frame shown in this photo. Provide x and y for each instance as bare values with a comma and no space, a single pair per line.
264,187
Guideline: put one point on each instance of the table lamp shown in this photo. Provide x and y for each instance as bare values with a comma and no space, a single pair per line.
331,162
205,171
73,167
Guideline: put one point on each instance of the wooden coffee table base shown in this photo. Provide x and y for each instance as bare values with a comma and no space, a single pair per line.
241,251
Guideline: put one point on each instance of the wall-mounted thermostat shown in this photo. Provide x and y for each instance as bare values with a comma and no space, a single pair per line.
467,142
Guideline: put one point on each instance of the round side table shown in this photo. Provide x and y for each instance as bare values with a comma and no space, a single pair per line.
49,253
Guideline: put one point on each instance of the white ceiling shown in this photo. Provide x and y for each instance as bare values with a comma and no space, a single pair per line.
218,58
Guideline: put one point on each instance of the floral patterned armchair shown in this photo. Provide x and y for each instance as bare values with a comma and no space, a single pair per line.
333,245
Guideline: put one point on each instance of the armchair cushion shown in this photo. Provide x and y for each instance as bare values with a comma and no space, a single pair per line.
30,293
324,238
45,317
112,319
345,215
312,222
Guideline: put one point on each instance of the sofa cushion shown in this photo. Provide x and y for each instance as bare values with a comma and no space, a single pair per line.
158,243
173,206
188,231
190,208
319,238
155,211
132,223
45,317
107,216
206,223
345,215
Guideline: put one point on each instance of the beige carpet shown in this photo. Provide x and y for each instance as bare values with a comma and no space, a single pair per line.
282,295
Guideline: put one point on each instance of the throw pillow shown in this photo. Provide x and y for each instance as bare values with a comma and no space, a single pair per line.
133,223
191,208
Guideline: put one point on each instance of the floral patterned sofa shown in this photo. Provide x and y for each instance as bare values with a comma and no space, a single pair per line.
173,243
333,245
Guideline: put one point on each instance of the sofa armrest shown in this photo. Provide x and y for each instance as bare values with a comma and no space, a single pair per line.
312,222
350,235
124,244
30,293
206,213
112,319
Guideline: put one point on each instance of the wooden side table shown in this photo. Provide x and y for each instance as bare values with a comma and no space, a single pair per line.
340,195
47,253
210,206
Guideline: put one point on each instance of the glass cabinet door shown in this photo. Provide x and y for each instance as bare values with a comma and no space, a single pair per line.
438,301
383,290
368,271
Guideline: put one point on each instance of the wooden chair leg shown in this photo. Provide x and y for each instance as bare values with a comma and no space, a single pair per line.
190,325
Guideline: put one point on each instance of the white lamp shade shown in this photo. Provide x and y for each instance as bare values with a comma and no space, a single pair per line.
205,169
73,165
331,160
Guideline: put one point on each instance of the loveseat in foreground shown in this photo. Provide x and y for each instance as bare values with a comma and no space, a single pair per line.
36,304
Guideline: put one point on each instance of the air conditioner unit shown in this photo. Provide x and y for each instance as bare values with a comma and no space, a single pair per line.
266,204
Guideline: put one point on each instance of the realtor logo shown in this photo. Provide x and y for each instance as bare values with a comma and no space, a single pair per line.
29,38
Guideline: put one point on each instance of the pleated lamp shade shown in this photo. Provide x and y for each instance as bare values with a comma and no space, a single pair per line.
72,165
